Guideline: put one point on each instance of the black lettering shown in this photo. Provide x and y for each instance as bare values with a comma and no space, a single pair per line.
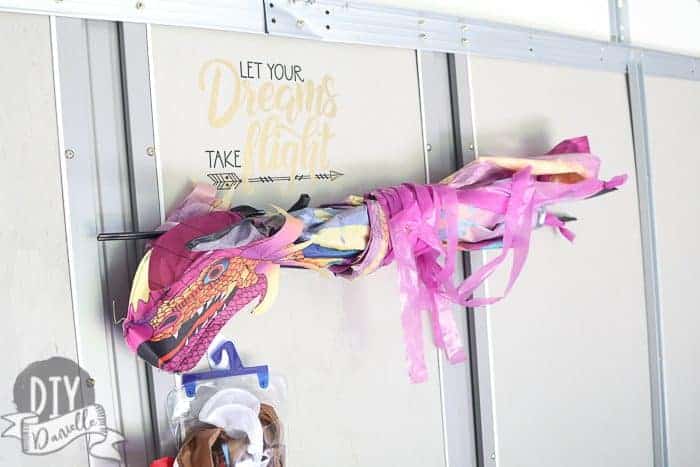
243,75
218,158
297,74
40,439
209,153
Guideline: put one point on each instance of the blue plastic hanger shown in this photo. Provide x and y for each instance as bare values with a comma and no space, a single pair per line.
235,368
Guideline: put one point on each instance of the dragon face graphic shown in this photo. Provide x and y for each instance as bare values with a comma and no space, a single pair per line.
193,310
181,297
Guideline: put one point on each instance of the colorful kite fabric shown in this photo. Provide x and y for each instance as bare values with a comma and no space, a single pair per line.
212,262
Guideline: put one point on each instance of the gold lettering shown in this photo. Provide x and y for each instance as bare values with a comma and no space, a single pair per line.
216,119
329,107
290,124
265,97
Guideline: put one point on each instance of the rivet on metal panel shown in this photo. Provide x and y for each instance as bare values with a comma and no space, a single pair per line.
465,41
428,147
470,147
90,382
492,456
140,5
300,23
69,153
150,151
423,35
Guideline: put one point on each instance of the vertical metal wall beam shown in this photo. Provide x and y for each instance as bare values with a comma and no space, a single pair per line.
97,198
145,193
479,343
139,124
619,21
637,99
440,161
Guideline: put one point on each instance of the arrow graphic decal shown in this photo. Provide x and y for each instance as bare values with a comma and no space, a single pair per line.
231,181
225,181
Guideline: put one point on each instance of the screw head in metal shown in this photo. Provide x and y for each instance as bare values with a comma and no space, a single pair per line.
69,153
423,35
150,151
300,23
428,147
492,456
465,41
140,5
471,146
90,382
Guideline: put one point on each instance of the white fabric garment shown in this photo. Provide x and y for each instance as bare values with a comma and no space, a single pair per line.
236,411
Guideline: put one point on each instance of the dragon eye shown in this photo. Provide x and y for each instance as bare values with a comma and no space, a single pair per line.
216,270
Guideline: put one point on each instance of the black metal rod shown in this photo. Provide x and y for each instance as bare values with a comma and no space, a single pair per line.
111,236
106,237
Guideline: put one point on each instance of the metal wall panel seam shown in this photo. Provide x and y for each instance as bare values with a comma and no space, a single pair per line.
439,153
96,191
478,330
154,118
341,21
423,126
64,184
139,123
637,100
338,21
98,56
92,335
426,145
670,65
140,151
146,191
116,214
619,21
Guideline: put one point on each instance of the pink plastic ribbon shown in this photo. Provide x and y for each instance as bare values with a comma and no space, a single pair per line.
424,240
417,215
518,222
419,212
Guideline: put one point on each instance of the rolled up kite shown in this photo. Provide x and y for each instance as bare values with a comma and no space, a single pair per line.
214,261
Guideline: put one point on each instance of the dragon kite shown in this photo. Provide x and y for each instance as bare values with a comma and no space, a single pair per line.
210,261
